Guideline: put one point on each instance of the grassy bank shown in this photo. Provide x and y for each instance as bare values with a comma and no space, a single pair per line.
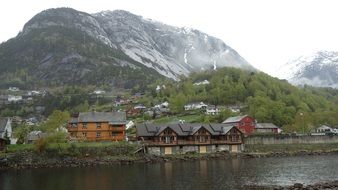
291,148
75,149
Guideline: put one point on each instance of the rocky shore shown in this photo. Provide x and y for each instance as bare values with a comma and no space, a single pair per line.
286,154
330,185
32,160
22,160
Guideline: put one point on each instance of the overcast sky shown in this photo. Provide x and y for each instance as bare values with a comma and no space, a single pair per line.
267,33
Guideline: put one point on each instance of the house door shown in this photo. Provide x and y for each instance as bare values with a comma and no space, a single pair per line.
167,150
234,148
203,149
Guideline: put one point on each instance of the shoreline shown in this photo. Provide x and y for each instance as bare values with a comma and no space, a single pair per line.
29,160
326,185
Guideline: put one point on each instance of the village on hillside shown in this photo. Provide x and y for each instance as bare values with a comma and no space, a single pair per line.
155,127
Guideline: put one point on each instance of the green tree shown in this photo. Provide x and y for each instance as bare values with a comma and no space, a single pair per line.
55,126
177,103
56,120
21,133
6,137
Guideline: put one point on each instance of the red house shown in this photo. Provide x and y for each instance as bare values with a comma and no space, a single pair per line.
245,123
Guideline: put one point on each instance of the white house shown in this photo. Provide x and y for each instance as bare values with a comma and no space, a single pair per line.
99,92
235,108
14,89
159,87
34,93
12,98
324,129
140,107
205,82
212,110
6,129
195,106
162,105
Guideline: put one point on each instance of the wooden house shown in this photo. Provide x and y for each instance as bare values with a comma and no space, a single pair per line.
245,123
98,126
183,138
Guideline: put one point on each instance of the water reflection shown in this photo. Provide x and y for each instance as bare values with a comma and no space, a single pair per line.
205,174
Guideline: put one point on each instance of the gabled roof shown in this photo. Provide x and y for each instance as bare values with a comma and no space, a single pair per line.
186,129
234,119
266,126
324,127
3,122
111,117
35,135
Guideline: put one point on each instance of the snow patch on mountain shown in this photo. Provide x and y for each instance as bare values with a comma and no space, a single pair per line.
318,69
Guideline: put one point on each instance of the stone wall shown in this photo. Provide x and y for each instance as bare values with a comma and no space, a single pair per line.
283,139
191,149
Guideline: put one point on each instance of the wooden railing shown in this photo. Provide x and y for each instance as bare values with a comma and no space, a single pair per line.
112,129
116,128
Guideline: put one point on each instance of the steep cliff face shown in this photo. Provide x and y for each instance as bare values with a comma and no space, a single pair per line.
169,50
62,46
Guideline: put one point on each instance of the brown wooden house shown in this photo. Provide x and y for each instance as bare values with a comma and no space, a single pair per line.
98,126
183,138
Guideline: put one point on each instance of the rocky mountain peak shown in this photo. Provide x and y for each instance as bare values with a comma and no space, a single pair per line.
168,50
318,69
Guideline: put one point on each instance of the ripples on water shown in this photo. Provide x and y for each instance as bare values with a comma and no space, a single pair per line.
211,174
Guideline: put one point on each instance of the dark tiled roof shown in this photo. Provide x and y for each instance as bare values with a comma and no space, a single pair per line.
111,117
3,122
185,129
234,119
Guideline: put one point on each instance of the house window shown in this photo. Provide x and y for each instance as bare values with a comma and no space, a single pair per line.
203,138
98,134
84,125
242,123
234,138
74,125
98,125
84,134
167,139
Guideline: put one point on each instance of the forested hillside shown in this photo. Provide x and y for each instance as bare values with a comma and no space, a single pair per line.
266,98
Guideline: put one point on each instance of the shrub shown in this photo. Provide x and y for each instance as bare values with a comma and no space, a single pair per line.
40,145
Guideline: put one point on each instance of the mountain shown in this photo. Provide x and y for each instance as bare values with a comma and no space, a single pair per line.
66,46
319,69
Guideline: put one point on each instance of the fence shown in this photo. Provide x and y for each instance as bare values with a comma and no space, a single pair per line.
287,139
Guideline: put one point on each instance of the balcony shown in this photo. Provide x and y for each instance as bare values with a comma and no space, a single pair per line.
117,129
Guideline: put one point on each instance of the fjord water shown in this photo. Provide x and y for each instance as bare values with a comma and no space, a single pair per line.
205,174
